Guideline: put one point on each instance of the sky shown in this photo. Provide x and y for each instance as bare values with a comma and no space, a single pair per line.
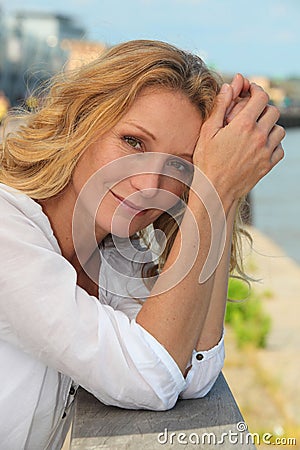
254,37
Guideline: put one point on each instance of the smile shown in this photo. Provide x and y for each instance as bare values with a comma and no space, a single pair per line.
128,205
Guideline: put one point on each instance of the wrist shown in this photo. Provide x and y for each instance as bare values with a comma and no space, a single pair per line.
213,192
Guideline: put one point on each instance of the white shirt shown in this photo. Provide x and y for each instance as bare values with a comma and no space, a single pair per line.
54,336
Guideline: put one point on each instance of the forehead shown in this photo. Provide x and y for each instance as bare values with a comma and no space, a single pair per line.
171,118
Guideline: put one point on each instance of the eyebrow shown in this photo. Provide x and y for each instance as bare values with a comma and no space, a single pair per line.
144,130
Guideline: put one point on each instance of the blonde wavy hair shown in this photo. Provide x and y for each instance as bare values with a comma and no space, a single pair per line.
39,158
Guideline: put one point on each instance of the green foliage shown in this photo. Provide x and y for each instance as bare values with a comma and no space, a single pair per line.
246,316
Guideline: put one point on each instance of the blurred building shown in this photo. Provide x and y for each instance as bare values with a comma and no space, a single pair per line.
4,105
31,50
81,52
277,94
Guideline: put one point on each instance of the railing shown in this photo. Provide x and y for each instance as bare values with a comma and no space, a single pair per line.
214,420
290,117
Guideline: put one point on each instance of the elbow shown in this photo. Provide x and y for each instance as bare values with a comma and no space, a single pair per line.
199,391
151,399
148,389
163,403
157,398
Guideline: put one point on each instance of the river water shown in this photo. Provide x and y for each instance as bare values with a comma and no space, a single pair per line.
276,199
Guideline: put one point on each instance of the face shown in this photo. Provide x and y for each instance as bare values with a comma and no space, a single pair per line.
137,169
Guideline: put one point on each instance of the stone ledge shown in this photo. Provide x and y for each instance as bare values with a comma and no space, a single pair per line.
204,423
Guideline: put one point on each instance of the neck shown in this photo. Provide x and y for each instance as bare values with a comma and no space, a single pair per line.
75,237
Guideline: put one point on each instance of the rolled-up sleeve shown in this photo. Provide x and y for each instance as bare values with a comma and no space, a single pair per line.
205,368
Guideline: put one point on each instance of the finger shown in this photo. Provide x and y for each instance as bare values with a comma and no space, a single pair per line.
240,86
237,85
245,92
216,120
236,109
269,117
256,104
275,137
277,155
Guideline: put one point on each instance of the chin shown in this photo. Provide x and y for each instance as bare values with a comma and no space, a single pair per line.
121,228
125,232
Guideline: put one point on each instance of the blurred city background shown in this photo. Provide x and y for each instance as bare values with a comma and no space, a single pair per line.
260,39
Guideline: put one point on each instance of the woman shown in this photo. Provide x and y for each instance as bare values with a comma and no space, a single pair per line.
116,147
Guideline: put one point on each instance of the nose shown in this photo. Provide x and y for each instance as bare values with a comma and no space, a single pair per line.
147,184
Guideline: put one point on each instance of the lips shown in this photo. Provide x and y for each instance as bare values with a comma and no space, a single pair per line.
128,204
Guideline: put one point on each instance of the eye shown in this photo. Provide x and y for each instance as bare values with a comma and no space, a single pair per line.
179,169
133,142
179,165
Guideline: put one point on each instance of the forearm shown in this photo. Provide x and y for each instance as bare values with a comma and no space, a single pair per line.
175,316
214,322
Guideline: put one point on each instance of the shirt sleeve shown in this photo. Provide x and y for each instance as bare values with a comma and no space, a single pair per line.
44,313
205,366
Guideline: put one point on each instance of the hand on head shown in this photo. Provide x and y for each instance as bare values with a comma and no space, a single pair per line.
236,149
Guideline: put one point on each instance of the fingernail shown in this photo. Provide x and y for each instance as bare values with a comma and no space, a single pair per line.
224,88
